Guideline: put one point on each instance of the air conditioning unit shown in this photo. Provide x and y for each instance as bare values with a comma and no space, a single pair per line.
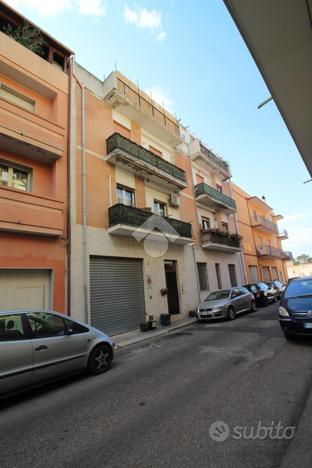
174,200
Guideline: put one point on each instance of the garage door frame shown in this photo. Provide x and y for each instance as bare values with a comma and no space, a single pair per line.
38,269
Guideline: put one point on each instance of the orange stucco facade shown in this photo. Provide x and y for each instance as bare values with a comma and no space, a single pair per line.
262,248
33,142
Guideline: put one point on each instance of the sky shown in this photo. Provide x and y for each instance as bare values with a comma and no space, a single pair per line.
192,59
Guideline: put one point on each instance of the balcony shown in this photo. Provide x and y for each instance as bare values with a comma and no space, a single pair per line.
27,213
282,234
220,241
263,224
287,255
130,221
214,199
269,252
202,155
27,134
124,152
123,95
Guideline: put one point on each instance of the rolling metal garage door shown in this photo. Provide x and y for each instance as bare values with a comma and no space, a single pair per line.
117,294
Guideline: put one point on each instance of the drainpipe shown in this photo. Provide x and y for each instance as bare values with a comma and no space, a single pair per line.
69,156
240,254
85,262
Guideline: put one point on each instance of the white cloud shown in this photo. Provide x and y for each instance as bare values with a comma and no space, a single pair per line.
161,36
295,216
92,7
148,20
55,7
161,96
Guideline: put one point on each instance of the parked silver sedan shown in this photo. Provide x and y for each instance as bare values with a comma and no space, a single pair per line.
226,303
37,346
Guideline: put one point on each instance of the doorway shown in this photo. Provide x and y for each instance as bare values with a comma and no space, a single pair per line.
172,286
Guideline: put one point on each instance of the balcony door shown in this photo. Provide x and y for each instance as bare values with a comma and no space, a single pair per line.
172,287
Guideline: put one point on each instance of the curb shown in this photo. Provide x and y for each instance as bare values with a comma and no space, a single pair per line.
155,334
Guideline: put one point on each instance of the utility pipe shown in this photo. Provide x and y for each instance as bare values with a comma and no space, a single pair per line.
85,259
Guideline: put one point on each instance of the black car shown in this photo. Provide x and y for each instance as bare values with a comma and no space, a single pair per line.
295,311
263,295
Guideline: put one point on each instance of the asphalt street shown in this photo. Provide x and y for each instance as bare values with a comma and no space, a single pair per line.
158,404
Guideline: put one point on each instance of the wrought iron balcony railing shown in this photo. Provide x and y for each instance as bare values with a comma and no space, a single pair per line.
282,234
136,217
260,221
213,158
269,251
216,196
119,142
287,255
230,240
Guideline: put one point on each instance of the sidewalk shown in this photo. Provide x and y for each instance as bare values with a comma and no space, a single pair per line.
126,339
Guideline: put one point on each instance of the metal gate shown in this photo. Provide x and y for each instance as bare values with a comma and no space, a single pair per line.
117,294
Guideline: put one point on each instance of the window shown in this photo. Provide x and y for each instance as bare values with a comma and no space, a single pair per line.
202,276
299,287
206,223
160,208
225,227
219,188
14,177
16,98
125,196
274,273
232,273
45,325
11,328
218,274
253,273
266,273
75,327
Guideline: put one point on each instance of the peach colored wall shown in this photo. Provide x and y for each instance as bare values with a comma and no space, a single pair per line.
44,208
252,237
140,192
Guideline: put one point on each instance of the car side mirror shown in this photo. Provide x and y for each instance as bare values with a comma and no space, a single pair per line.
69,331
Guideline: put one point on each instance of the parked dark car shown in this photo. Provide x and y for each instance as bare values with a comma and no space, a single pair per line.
295,311
277,287
263,295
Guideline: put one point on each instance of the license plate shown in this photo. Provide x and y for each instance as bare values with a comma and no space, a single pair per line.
204,313
307,324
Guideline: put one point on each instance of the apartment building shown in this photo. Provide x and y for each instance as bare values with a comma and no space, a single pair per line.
264,257
33,170
217,241
132,207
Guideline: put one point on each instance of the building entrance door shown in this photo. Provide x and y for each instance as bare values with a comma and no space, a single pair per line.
172,286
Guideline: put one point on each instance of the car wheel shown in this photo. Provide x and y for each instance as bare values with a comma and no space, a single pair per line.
231,313
100,359
253,306
275,300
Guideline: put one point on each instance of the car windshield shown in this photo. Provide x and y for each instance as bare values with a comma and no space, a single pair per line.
278,283
262,286
300,288
215,295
